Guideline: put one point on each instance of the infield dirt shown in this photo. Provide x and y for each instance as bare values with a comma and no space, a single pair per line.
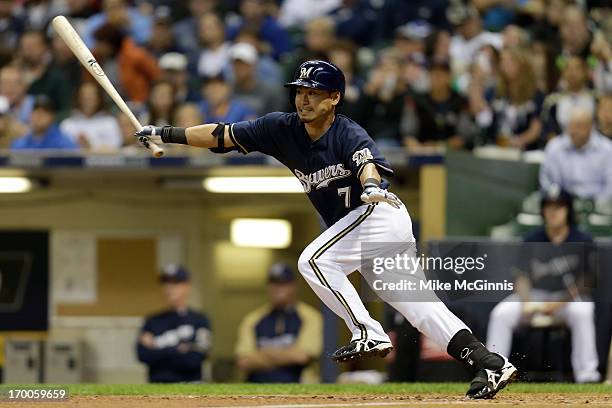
527,400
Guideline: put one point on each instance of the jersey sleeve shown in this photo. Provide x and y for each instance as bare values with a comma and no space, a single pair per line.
359,149
256,135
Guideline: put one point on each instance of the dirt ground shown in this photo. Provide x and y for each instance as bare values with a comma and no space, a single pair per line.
345,400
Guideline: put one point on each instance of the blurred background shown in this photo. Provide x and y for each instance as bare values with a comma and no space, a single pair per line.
119,268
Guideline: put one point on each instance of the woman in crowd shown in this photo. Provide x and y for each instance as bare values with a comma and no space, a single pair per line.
91,125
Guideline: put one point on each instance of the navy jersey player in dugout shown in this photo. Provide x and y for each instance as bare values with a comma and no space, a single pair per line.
340,168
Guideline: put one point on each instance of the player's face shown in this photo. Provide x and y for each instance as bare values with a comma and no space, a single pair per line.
177,293
281,294
555,215
313,104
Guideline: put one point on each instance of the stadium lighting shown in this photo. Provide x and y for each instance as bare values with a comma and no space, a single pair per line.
15,184
260,233
252,185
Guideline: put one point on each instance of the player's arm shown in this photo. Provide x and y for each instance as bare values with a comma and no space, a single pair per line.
210,135
372,193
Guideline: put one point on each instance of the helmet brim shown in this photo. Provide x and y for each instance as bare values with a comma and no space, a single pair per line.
308,84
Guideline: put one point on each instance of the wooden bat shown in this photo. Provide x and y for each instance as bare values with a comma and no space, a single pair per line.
67,33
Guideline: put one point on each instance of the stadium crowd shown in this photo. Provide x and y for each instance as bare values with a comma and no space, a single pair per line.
421,75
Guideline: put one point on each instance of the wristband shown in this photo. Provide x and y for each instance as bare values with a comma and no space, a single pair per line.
171,134
371,182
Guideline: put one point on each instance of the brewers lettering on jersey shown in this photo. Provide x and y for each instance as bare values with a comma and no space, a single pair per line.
341,170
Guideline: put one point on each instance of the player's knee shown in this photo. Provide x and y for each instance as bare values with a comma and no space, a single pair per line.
580,311
304,263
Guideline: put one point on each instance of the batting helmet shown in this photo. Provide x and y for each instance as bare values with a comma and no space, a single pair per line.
318,75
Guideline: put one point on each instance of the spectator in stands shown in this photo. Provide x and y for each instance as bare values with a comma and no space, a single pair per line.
344,55
601,51
410,43
579,159
574,93
175,342
604,115
12,26
383,100
162,38
298,13
38,14
278,341
91,125
14,88
186,30
136,68
187,115
253,13
546,292
357,21
268,69
440,117
410,38
513,118
161,104
219,104
213,56
10,129
469,37
262,98
45,134
64,61
319,39
43,78
120,15
575,34
174,69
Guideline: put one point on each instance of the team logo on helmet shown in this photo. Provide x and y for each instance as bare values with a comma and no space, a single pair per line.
305,72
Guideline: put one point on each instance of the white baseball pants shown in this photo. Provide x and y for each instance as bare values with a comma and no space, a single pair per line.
326,262
579,316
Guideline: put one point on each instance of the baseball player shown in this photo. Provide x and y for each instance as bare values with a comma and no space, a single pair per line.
340,168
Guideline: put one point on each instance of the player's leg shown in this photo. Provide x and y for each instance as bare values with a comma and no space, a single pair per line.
492,371
581,321
325,266
504,318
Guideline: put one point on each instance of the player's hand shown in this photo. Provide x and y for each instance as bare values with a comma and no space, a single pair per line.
375,194
153,133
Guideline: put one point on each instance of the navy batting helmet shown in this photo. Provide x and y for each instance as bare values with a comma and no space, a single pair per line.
318,75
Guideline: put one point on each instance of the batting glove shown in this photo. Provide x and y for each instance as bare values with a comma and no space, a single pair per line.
153,133
372,193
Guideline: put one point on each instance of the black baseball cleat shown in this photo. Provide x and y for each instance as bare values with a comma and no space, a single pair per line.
488,382
359,349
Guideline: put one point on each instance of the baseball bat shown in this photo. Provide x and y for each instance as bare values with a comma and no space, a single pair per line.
67,33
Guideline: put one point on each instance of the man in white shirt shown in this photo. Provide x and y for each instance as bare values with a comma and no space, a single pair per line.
579,159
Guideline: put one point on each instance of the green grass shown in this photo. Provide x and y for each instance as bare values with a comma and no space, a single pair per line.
288,389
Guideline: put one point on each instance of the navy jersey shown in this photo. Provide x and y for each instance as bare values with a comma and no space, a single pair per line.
328,168
552,265
170,329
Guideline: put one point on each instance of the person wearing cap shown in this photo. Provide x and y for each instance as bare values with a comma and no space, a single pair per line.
175,342
10,129
550,287
259,96
219,104
13,86
578,160
45,133
440,116
469,38
174,69
278,341
162,38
